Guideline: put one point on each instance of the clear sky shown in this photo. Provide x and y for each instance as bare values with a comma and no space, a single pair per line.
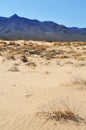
67,12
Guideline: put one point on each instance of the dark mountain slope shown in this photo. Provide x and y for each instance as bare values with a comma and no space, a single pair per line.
16,27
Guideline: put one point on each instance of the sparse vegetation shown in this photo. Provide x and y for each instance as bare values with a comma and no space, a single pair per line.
53,51
38,76
79,83
11,57
31,64
64,115
14,69
24,58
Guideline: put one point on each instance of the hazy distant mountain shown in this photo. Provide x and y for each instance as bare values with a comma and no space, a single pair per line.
16,27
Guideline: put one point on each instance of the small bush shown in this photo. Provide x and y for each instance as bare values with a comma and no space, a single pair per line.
14,69
11,57
63,115
31,64
24,58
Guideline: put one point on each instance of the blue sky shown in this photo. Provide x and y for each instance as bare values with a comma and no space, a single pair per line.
67,12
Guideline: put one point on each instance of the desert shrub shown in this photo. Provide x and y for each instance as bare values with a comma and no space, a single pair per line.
62,115
31,64
3,42
11,57
11,43
14,69
24,58
79,81
50,54
66,115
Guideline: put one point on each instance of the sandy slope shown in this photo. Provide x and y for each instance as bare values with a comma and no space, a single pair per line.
50,85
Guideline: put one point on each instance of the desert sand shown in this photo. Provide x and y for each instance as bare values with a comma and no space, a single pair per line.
42,85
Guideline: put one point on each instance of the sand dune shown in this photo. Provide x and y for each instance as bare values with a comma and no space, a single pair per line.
38,77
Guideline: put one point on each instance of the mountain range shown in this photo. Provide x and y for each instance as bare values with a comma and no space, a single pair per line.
16,27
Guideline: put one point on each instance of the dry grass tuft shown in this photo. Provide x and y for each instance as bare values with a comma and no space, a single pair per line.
31,64
79,84
63,114
11,57
24,58
66,115
14,69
